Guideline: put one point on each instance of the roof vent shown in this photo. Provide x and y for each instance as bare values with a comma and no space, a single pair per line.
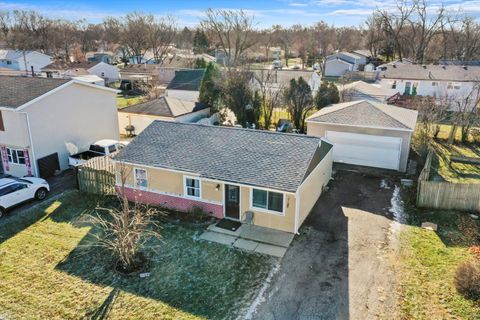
444,67
424,66
394,65
465,67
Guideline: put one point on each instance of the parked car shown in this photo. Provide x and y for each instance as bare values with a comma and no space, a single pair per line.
14,191
100,148
277,64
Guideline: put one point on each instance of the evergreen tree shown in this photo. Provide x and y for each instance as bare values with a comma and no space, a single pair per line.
200,42
210,89
327,94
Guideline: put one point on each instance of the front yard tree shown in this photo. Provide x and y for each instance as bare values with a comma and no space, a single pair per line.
466,114
327,94
299,101
126,228
210,88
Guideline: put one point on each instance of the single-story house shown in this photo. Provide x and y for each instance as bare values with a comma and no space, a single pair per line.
24,61
186,84
280,79
360,90
67,70
39,117
366,133
338,64
266,178
143,114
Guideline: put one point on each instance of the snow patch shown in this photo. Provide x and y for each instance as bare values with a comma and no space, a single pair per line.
261,294
399,215
384,184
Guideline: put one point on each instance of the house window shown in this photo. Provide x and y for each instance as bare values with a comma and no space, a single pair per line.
9,62
192,187
434,84
267,200
103,74
453,85
16,156
394,84
141,178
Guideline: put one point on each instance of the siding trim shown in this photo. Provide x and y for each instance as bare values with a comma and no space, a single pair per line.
358,126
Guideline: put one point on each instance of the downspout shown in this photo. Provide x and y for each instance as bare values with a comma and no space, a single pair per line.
297,211
33,159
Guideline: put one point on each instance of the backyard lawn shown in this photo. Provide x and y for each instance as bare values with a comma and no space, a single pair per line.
123,102
49,270
427,265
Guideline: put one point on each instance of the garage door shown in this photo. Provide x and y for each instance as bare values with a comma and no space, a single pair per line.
366,150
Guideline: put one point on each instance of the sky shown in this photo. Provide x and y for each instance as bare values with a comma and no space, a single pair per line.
266,12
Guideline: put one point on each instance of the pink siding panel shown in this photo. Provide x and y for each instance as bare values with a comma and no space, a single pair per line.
171,202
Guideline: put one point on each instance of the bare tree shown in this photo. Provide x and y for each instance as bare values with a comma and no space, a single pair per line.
299,101
232,31
466,113
161,35
134,31
272,95
126,228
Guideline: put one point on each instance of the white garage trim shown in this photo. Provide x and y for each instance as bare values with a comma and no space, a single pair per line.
365,149
362,126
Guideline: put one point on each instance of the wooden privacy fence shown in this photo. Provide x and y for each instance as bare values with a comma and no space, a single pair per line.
97,176
446,195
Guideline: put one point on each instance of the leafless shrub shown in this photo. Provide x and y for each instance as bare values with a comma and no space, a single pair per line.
467,279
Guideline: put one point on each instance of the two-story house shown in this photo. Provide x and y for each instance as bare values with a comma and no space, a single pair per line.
41,117
440,81
23,61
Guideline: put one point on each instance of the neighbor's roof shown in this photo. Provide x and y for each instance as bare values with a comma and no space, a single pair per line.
431,72
253,157
165,107
365,113
187,80
368,90
15,91
61,65
14,54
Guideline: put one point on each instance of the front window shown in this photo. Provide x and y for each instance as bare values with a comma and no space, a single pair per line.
267,200
16,156
141,178
192,187
453,85
394,84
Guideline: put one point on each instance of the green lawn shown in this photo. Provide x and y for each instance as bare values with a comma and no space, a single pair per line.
49,270
455,171
428,261
123,102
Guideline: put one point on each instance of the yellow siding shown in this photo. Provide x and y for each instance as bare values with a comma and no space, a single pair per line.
210,193
312,187
270,220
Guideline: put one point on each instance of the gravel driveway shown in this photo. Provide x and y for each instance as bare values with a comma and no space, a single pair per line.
340,266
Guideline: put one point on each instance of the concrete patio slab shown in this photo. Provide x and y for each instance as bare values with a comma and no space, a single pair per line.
218,237
275,251
245,244
266,235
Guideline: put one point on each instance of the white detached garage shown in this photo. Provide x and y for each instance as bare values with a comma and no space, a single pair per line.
366,133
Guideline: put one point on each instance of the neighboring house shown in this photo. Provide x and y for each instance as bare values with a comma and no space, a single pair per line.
67,70
186,84
441,82
92,79
143,114
227,172
360,90
40,116
106,57
163,73
280,79
366,133
17,60
459,62
338,64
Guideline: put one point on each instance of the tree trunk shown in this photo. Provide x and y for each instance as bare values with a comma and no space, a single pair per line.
451,135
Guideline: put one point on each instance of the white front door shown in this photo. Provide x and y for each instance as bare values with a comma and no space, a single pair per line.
366,150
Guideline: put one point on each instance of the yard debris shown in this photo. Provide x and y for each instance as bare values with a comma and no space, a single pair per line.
144,274
406,182
429,226
474,216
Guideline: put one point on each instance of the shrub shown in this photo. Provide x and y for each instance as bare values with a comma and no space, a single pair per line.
467,279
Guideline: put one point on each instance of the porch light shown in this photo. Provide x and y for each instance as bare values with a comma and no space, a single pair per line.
217,187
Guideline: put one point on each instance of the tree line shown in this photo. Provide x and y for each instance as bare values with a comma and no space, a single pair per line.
412,29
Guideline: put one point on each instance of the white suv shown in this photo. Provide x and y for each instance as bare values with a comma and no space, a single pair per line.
14,191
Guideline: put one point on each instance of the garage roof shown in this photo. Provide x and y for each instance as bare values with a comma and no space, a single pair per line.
364,113
165,107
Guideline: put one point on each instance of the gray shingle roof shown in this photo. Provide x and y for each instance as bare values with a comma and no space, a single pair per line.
165,107
16,91
252,157
431,72
187,80
365,113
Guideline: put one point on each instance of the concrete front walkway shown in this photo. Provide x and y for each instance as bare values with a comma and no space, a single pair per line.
251,238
